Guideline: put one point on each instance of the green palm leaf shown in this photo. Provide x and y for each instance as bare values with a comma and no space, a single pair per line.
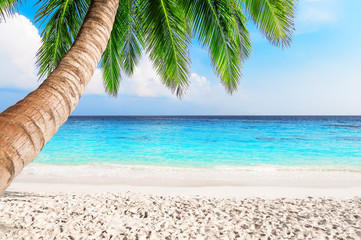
110,62
111,66
167,41
132,37
243,39
64,18
8,7
164,28
124,46
220,26
275,18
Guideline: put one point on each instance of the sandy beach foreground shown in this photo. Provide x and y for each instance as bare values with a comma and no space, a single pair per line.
184,205
137,216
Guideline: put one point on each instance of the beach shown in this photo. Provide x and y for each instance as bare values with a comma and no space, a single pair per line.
135,216
145,120
262,205
191,178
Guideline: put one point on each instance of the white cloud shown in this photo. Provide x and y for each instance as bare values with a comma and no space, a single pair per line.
95,85
201,90
145,82
19,41
199,86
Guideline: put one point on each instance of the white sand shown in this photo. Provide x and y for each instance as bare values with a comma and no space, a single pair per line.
191,182
135,216
178,204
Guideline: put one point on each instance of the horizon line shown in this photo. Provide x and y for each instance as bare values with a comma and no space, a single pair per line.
218,115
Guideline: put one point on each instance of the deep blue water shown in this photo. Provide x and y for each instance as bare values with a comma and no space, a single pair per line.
207,141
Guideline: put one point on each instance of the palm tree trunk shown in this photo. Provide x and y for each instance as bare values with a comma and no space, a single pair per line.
29,124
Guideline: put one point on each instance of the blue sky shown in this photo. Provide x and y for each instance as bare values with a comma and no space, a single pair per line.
319,74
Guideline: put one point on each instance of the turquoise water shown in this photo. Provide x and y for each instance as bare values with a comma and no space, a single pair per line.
207,141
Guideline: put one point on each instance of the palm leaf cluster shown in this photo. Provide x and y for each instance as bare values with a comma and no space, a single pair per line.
63,20
164,29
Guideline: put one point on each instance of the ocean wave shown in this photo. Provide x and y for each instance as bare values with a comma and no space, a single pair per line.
345,126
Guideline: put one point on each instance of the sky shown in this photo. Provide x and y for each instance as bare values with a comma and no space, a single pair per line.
320,74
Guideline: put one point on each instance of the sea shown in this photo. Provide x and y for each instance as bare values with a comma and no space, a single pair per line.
326,143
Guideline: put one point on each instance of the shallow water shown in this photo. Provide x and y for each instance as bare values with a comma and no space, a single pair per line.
213,142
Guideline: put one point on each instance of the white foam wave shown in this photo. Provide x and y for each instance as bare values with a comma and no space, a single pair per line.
118,170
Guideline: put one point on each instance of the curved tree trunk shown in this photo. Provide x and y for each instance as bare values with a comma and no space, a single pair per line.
29,124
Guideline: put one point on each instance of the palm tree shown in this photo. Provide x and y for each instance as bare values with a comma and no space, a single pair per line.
80,33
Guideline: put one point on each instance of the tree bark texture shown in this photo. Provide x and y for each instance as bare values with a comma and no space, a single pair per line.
29,124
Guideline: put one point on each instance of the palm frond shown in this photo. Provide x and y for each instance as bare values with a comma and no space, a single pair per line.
220,26
110,62
243,39
64,18
8,7
132,36
275,18
111,67
124,47
167,39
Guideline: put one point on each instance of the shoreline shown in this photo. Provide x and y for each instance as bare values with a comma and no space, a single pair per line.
212,192
189,182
